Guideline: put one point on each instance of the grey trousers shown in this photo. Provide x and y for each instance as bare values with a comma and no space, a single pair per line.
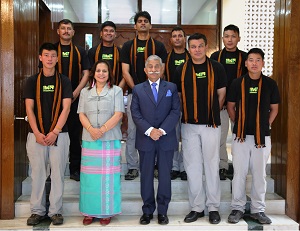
224,133
131,153
39,157
201,146
246,156
178,158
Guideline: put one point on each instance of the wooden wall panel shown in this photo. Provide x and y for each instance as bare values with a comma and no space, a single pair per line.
45,25
286,133
6,114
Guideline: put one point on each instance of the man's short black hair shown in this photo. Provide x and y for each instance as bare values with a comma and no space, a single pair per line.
197,36
233,28
144,14
48,47
107,23
256,51
65,21
178,28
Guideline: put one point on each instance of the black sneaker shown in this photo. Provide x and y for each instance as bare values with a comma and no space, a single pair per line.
261,218
235,216
214,217
183,175
35,219
75,176
174,174
131,174
57,219
223,173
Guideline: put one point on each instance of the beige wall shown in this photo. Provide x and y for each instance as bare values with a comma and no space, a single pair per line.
233,12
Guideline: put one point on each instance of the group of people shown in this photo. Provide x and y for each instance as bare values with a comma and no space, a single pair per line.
180,95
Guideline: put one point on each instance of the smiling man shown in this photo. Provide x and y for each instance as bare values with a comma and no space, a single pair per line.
108,51
202,83
155,111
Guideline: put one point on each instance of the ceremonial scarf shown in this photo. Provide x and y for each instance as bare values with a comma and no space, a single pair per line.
57,101
170,57
242,109
70,61
189,70
149,50
116,67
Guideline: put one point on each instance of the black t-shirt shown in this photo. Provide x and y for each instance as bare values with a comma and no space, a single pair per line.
175,61
140,75
65,61
107,53
202,89
48,87
270,95
230,62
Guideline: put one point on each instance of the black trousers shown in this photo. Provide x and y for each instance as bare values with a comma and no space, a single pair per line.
75,130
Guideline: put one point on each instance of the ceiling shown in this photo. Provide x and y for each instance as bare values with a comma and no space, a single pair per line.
85,11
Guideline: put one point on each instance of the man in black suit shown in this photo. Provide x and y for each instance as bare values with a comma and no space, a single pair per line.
155,111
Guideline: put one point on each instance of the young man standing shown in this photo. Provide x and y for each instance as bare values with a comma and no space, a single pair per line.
48,98
73,62
202,83
178,55
233,61
133,56
108,51
252,106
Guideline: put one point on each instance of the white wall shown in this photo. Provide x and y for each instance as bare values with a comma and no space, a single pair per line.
233,12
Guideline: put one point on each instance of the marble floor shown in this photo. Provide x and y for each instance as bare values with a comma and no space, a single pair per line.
123,222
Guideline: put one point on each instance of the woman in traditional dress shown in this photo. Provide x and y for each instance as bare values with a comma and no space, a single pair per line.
101,107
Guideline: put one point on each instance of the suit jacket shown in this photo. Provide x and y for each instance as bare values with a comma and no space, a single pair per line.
147,113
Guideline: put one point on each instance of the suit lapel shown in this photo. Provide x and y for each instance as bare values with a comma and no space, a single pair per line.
148,91
162,90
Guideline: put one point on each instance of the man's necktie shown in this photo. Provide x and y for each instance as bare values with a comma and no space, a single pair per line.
154,90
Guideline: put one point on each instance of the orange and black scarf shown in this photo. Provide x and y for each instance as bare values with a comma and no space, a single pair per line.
239,71
149,50
116,57
170,57
187,71
57,101
242,109
73,47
